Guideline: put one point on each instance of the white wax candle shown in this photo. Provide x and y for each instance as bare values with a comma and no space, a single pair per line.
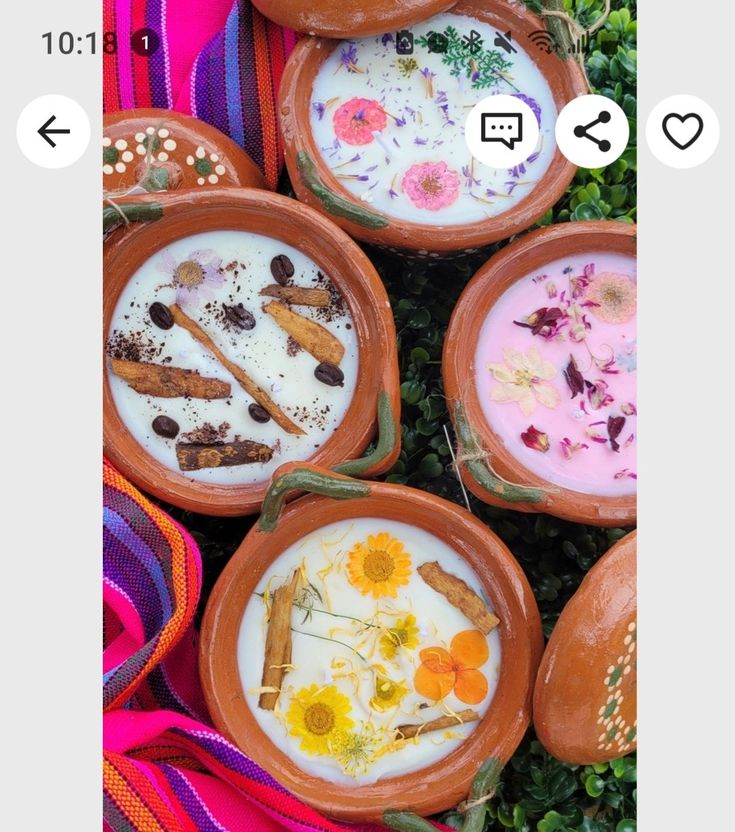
360,621
237,267
391,127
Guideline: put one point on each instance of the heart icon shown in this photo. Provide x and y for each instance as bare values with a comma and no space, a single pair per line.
683,131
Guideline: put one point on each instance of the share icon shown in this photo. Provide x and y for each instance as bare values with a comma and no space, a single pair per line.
581,131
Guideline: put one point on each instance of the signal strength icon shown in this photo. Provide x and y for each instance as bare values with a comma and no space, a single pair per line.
543,41
580,45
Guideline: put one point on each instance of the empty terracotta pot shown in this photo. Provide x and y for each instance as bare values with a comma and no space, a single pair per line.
168,151
374,134
349,18
364,324
426,790
539,370
584,703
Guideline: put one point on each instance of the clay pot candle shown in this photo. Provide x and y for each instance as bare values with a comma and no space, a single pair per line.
376,139
349,18
539,367
237,327
371,652
166,151
584,707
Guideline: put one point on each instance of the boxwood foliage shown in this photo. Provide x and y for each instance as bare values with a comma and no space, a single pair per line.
536,792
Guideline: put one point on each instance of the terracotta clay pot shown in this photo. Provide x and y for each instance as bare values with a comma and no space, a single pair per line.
438,786
350,18
316,185
185,153
475,435
352,273
584,703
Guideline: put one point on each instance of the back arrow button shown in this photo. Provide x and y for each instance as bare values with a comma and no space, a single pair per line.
46,129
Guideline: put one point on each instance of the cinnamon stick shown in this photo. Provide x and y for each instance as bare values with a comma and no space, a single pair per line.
168,382
313,337
250,387
407,732
298,295
278,642
193,456
459,595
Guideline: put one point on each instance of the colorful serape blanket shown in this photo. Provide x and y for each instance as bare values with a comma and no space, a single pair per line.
165,767
218,60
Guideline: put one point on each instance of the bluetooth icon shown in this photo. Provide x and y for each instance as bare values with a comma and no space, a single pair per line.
473,42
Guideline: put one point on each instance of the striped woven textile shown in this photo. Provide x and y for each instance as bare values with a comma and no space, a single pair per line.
165,767
219,60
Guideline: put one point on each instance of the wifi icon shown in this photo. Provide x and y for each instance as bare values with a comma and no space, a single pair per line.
542,40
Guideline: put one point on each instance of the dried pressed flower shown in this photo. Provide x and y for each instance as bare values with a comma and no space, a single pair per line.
598,395
535,439
573,377
569,448
546,321
615,425
613,296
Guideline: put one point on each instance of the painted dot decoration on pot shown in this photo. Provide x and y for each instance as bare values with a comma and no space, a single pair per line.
616,734
208,166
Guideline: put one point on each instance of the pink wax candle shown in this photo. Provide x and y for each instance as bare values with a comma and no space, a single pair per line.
555,372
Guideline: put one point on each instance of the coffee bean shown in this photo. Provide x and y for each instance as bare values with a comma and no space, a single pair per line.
160,315
329,374
165,426
258,413
239,316
281,269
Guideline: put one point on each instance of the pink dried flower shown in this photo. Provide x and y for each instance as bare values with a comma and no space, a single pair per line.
431,185
194,278
626,473
628,409
569,448
594,435
614,296
551,290
615,425
535,439
357,119
598,395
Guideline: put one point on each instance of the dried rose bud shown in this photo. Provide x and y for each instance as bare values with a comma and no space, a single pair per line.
535,439
551,290
598,395
628,408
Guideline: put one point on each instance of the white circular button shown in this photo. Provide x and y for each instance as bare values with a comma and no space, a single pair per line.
501,131
53,131
592,131
683,131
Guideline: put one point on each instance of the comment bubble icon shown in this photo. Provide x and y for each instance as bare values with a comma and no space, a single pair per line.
506,128
501,131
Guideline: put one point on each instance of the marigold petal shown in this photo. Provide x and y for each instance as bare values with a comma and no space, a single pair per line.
433,685
469,649
436,659
470,686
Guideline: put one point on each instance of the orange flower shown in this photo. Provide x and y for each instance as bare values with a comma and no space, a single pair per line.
442,672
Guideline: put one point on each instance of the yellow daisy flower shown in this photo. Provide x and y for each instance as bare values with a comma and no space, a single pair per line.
388,694
379,565
356,751
405,633
318,715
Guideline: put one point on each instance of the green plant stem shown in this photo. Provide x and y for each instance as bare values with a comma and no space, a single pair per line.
327,612
333,640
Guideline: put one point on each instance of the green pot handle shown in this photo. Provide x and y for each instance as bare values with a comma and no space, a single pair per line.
387,438
472,456
335,204
337,483
300,476
482,789
124,212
